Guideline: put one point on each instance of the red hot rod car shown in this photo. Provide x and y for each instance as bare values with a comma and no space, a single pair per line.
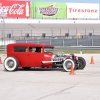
27,55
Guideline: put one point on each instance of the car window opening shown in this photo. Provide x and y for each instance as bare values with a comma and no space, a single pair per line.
35,49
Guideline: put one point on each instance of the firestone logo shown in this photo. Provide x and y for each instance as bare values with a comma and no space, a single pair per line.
71,10
49,10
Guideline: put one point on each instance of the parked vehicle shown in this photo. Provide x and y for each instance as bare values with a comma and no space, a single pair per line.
27,55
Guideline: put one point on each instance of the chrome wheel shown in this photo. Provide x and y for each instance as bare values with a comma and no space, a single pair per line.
68,63
10,63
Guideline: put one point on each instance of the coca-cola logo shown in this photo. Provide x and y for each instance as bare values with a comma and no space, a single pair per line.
15,9
48,11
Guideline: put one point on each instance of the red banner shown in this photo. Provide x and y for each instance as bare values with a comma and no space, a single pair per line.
16,9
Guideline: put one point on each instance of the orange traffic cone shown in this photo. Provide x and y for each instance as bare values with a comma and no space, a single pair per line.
92,60
0,61
72,70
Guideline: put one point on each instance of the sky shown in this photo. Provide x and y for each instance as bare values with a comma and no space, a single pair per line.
66,1
71,1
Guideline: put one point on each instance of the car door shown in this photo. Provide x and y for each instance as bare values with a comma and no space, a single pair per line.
35,57
21,52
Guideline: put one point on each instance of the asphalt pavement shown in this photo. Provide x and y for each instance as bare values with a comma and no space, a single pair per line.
52,84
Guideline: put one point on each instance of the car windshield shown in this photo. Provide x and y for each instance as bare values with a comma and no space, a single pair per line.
48,50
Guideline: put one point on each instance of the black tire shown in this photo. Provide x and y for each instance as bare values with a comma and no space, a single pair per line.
26,68
11,64
67,64
81,63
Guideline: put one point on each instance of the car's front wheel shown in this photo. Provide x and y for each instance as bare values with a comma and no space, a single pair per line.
11,64
67,64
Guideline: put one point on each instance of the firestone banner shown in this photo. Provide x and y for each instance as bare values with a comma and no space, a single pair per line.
48,10
82,10
16,9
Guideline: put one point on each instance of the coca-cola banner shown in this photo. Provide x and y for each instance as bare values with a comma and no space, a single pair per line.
16,9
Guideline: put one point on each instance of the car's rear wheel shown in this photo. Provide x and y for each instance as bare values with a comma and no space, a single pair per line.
81,63
11,64
68,63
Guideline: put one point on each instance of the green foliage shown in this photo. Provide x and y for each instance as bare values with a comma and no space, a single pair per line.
72,51
78,51
1,46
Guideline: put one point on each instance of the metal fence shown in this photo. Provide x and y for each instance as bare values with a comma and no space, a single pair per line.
55,36
65,42
57,42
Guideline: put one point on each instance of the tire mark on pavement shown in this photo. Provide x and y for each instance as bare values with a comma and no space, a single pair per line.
59,91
